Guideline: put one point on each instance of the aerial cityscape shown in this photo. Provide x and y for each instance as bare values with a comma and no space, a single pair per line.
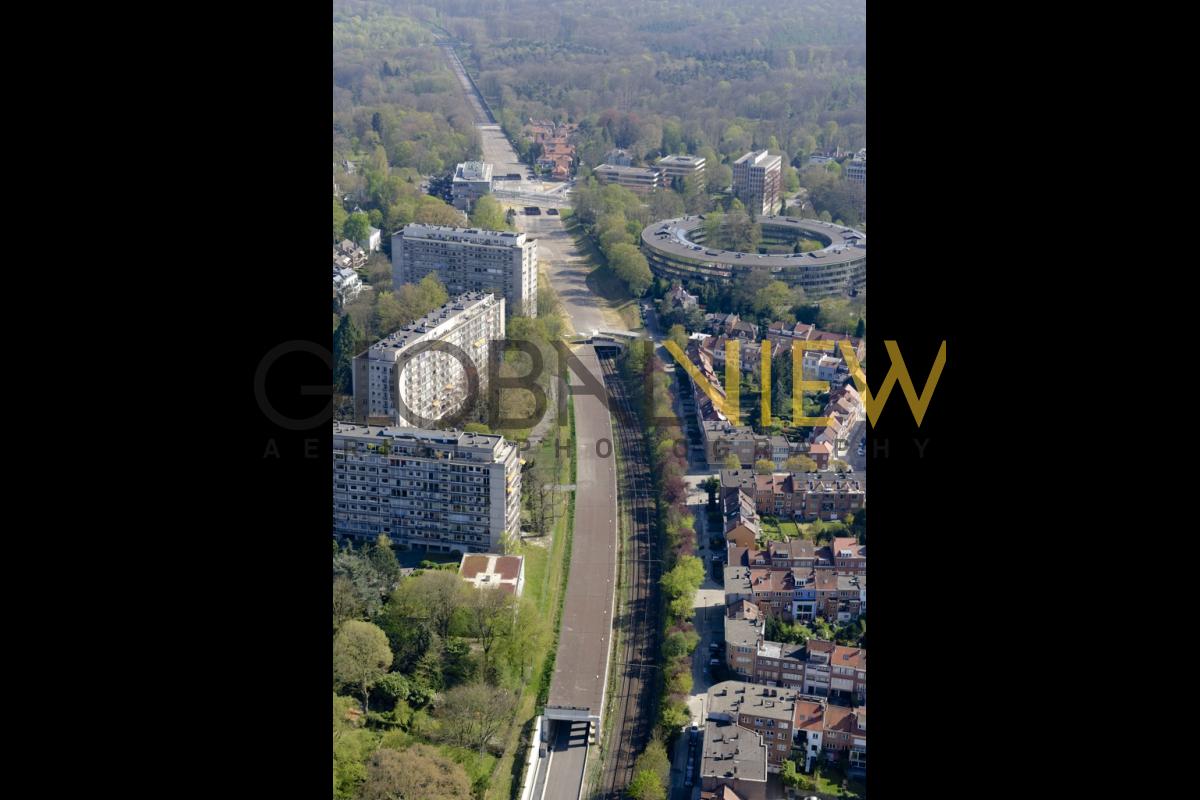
599,444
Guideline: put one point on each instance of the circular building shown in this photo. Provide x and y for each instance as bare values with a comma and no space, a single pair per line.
675,249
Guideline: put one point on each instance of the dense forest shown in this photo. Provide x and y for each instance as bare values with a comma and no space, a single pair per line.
667,76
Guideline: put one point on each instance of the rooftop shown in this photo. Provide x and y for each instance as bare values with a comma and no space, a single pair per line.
473,171
424,436
391,345
672,237
639,172
732,698
485,570
419,230
680,161
731,751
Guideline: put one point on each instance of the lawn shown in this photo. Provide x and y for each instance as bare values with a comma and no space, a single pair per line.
829,783
545,581
774,530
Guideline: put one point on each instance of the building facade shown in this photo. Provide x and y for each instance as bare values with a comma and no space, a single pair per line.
446,491
677,169
816,668
757,178
469,260
401,381
472,180
637,179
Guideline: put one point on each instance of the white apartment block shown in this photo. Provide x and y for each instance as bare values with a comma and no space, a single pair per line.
469,260
446,491
757,177
430,383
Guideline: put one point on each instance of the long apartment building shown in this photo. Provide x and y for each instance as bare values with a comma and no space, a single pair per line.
469,260
400,381
757,180
446,491
817,667
637,179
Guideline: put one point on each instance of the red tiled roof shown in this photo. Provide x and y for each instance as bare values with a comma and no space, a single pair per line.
808,715
473,565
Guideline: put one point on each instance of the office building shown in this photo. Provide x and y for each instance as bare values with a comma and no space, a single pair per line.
469,260
472,180
637,179
675,169
400,380
757,179
446,491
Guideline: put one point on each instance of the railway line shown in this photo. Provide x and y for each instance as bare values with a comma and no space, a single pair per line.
630,725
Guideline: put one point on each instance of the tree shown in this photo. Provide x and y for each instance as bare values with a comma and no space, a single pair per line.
793,778
489,214
352,744
431,599
800,463
654,759
383,558
764,466
475,712
712,485
357,227
361,656
679,336
490,615
418,772
839,465
733,462
339,219
679,644
646,786
860,330
630,266
346,602
346,344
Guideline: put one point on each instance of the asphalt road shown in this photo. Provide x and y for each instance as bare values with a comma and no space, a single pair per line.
568,754
567,269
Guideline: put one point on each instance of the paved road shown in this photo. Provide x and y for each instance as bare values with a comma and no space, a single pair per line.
567,269
568,754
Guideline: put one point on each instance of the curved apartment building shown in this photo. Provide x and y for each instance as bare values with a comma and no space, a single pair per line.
675,248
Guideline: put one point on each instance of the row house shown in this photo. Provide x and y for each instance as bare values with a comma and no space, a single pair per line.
742,526
749,352
845,736
801,495
799,594
818,668
844,555
750,723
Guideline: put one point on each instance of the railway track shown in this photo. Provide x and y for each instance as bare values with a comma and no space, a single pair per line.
630,729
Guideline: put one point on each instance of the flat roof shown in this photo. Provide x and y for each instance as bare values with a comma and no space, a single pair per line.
672,237
581,666
731,751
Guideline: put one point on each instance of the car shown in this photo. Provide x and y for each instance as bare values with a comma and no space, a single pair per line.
713,662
